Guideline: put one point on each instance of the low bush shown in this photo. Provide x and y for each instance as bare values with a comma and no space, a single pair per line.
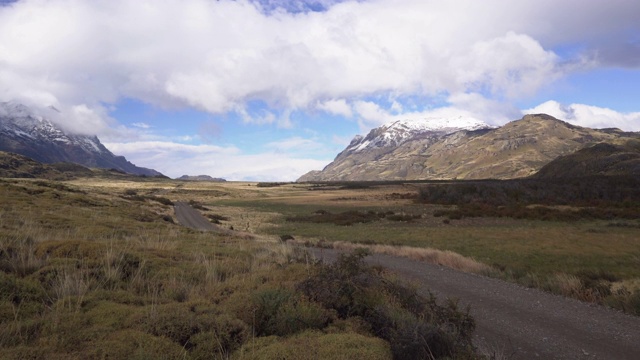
161,200
416,327
216,219
351,217
197,205
281,312
543,213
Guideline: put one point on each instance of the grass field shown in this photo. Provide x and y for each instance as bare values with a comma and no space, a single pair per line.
593,260
98,268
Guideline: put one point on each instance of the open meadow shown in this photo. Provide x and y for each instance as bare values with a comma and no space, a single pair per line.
98,268
591,253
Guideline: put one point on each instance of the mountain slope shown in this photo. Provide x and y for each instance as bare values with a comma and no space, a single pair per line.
600,159
23,132
517,149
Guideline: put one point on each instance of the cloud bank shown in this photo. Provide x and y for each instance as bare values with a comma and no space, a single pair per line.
368,62
175,160
219,55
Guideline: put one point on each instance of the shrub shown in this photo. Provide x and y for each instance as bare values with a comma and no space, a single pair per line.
281,312
348,218
286,237
216,219
132,344
168,219
161,200
197,205
416,327
222,337
174,321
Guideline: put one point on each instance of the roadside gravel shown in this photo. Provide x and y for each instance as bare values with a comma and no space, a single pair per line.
521,323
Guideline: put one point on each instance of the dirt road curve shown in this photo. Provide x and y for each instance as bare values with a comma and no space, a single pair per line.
519,322
190,217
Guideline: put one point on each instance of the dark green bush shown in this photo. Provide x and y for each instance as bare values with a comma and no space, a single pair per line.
224,335
281,312
161,200
174,321
216,219
351,217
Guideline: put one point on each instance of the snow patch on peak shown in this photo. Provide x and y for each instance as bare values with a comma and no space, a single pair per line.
437,124
25,122
397,132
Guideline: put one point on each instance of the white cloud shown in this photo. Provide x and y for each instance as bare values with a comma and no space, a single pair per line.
296,143
219,55
336,107
371,114
512,65
174,160
589,116
141,125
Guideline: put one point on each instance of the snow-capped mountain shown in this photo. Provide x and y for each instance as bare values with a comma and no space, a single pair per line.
397,132
460,148
24,131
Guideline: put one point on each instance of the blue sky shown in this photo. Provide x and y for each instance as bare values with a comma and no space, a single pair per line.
268,90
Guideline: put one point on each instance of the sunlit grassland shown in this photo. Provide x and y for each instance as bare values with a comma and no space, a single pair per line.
532,252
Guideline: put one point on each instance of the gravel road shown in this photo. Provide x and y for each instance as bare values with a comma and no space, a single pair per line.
522,323
514,321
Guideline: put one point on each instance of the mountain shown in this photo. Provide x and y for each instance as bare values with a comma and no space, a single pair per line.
200,178
26,133
19,166
463,149
597,160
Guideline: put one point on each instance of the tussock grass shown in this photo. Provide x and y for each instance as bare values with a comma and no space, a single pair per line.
87,272
567,285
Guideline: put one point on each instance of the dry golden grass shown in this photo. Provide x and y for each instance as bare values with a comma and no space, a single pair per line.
568,285
432,256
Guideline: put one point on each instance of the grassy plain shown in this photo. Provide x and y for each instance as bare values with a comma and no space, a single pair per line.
593,260
97,268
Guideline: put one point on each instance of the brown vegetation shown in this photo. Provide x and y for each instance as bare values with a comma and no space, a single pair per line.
97,272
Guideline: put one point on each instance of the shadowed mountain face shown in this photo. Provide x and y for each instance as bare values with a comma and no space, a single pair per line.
600,159
517,149
23,132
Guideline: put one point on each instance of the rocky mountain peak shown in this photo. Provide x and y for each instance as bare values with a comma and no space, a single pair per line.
399,131
24,131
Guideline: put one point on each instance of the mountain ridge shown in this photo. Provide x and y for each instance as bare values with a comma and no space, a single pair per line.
517,149
24,132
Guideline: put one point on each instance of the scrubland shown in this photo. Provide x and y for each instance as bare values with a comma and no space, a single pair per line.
577,238
94,269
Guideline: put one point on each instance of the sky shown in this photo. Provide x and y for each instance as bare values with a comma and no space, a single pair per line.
266,90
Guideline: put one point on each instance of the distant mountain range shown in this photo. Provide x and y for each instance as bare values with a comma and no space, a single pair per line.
26,133
462,148
200,178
